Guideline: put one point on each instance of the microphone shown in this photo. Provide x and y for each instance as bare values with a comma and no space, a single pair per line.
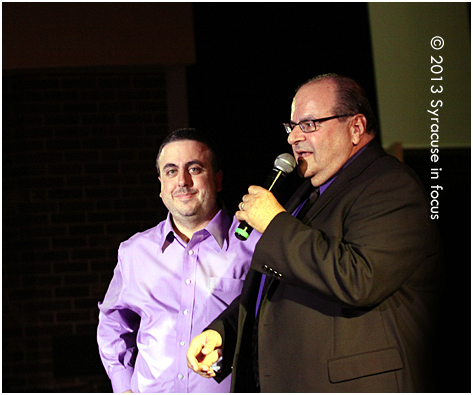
284,164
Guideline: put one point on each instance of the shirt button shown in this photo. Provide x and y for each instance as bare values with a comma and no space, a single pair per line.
191,252
182,343
186,312
180,376
188,281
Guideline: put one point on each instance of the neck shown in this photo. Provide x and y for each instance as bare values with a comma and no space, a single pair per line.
364,140
186,229
320,182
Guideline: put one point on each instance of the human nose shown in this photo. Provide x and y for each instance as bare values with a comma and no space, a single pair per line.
296,135
183,179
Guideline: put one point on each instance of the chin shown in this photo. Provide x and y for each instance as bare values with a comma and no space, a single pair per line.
300,173
304,172
302,168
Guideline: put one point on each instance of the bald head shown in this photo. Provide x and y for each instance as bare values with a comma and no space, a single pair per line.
335,135
350,98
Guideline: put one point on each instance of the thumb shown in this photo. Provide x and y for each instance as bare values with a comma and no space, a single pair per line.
209,342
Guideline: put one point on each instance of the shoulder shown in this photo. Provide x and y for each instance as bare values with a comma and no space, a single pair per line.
389,169
376,166
146,237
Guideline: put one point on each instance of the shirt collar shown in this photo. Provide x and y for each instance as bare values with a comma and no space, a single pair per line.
218,228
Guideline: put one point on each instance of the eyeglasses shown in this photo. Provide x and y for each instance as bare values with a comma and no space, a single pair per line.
310,125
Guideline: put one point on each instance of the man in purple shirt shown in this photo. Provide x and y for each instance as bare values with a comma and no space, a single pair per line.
172,280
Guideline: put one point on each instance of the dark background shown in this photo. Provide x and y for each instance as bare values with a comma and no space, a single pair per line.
241,87
78,176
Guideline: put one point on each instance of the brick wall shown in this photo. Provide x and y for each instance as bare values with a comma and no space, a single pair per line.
78,178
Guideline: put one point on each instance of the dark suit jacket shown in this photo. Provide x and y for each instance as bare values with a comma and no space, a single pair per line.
350,304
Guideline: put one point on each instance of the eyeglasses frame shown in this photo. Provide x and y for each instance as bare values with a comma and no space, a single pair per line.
312,120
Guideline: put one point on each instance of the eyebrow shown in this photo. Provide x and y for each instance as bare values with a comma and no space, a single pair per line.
187,164
308,118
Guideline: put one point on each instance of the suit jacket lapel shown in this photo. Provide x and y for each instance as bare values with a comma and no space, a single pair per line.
298,196
344,179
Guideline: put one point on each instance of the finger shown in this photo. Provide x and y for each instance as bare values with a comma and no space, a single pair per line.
211,340
207,375
207,371
254,189
195,348
210,359
192,363
241,215
209,347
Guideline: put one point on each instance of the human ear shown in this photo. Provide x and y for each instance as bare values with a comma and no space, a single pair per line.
358,128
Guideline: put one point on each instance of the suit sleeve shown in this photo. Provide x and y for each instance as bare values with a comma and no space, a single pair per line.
226,324
358,251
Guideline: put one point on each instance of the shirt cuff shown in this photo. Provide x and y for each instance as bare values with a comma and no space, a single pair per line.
121,380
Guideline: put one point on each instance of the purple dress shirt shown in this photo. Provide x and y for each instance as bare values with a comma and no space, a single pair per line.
163,293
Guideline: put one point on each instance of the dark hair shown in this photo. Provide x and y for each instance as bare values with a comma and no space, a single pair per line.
351,99
193,135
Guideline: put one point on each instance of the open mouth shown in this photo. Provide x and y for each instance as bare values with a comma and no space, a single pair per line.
301,155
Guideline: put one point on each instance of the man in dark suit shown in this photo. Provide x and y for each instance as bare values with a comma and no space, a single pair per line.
351,278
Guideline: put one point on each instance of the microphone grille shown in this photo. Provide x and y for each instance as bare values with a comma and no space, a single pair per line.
285,162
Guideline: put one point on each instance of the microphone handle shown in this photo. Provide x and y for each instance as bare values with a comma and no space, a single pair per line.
272,184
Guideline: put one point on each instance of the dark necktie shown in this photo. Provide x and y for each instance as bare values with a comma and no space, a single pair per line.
308,204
